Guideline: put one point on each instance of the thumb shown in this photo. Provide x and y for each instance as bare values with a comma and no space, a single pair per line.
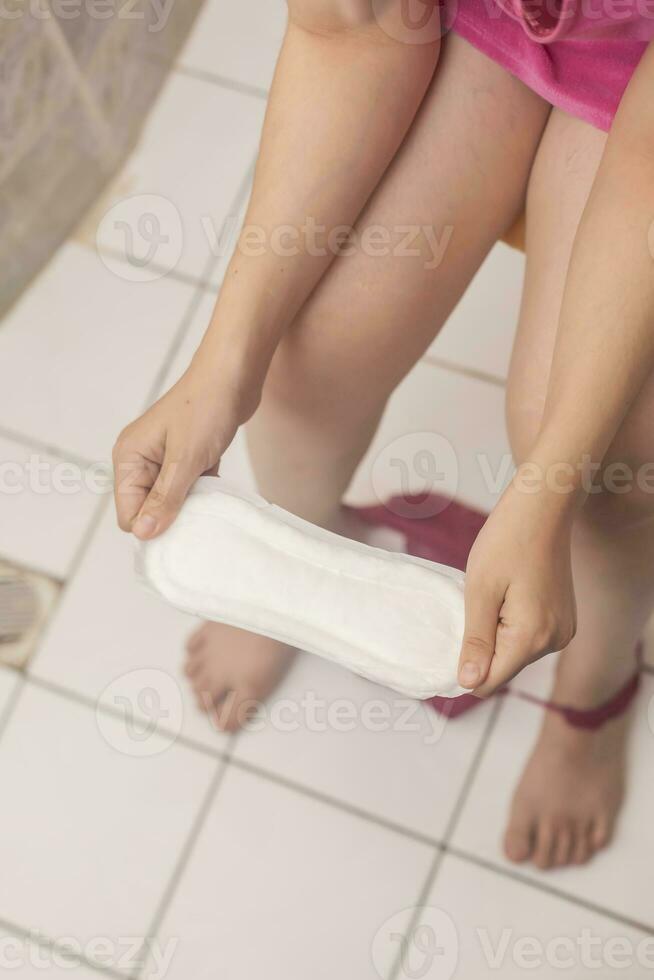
165,499
482,609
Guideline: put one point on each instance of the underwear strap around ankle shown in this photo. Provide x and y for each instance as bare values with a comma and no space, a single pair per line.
591,719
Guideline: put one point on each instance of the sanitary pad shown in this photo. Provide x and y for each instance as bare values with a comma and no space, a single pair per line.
234,558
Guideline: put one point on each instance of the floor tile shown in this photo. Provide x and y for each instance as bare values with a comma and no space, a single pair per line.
509,929
112,639
90,840
479,334
442,433
237,41
360,743
618,879
280,885
25,960
183,177
90,344
47,504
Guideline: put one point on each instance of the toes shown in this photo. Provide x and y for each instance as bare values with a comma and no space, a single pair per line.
193,666
582,849
234,709
196,639
544,849
601,833
208,691
563,844
519,840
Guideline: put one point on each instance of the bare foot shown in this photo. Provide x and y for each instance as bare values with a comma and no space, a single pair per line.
231,669
567,802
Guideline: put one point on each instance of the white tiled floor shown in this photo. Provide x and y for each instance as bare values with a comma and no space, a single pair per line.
479,334
510,930
282,885
217,44
193,157
345,737
29,961
42,528
284,853
81,313
91,829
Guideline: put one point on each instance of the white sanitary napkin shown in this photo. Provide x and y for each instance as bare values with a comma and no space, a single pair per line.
234,558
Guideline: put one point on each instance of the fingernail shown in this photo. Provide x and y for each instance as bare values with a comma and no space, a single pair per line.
144,526
469,674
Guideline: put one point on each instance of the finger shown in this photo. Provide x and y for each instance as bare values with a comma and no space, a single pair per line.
134,477
514,649
482,610
166,497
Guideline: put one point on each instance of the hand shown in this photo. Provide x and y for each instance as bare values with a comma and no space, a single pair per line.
519,596
158,457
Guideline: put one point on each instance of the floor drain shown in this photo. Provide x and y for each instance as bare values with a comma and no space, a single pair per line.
26,599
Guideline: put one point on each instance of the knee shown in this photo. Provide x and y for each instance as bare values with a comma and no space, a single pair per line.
330,16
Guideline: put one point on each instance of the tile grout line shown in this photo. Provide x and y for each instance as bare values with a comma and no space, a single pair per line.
222,81
183,859
47,448
98,515
200,291
334,802
226,755
94,522
186,278
432,873
470,858
44,942
85,541
225,760
467,372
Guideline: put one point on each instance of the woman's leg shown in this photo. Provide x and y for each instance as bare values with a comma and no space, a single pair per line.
462,170
570,794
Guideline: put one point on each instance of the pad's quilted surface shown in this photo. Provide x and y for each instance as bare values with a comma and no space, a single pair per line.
234,558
